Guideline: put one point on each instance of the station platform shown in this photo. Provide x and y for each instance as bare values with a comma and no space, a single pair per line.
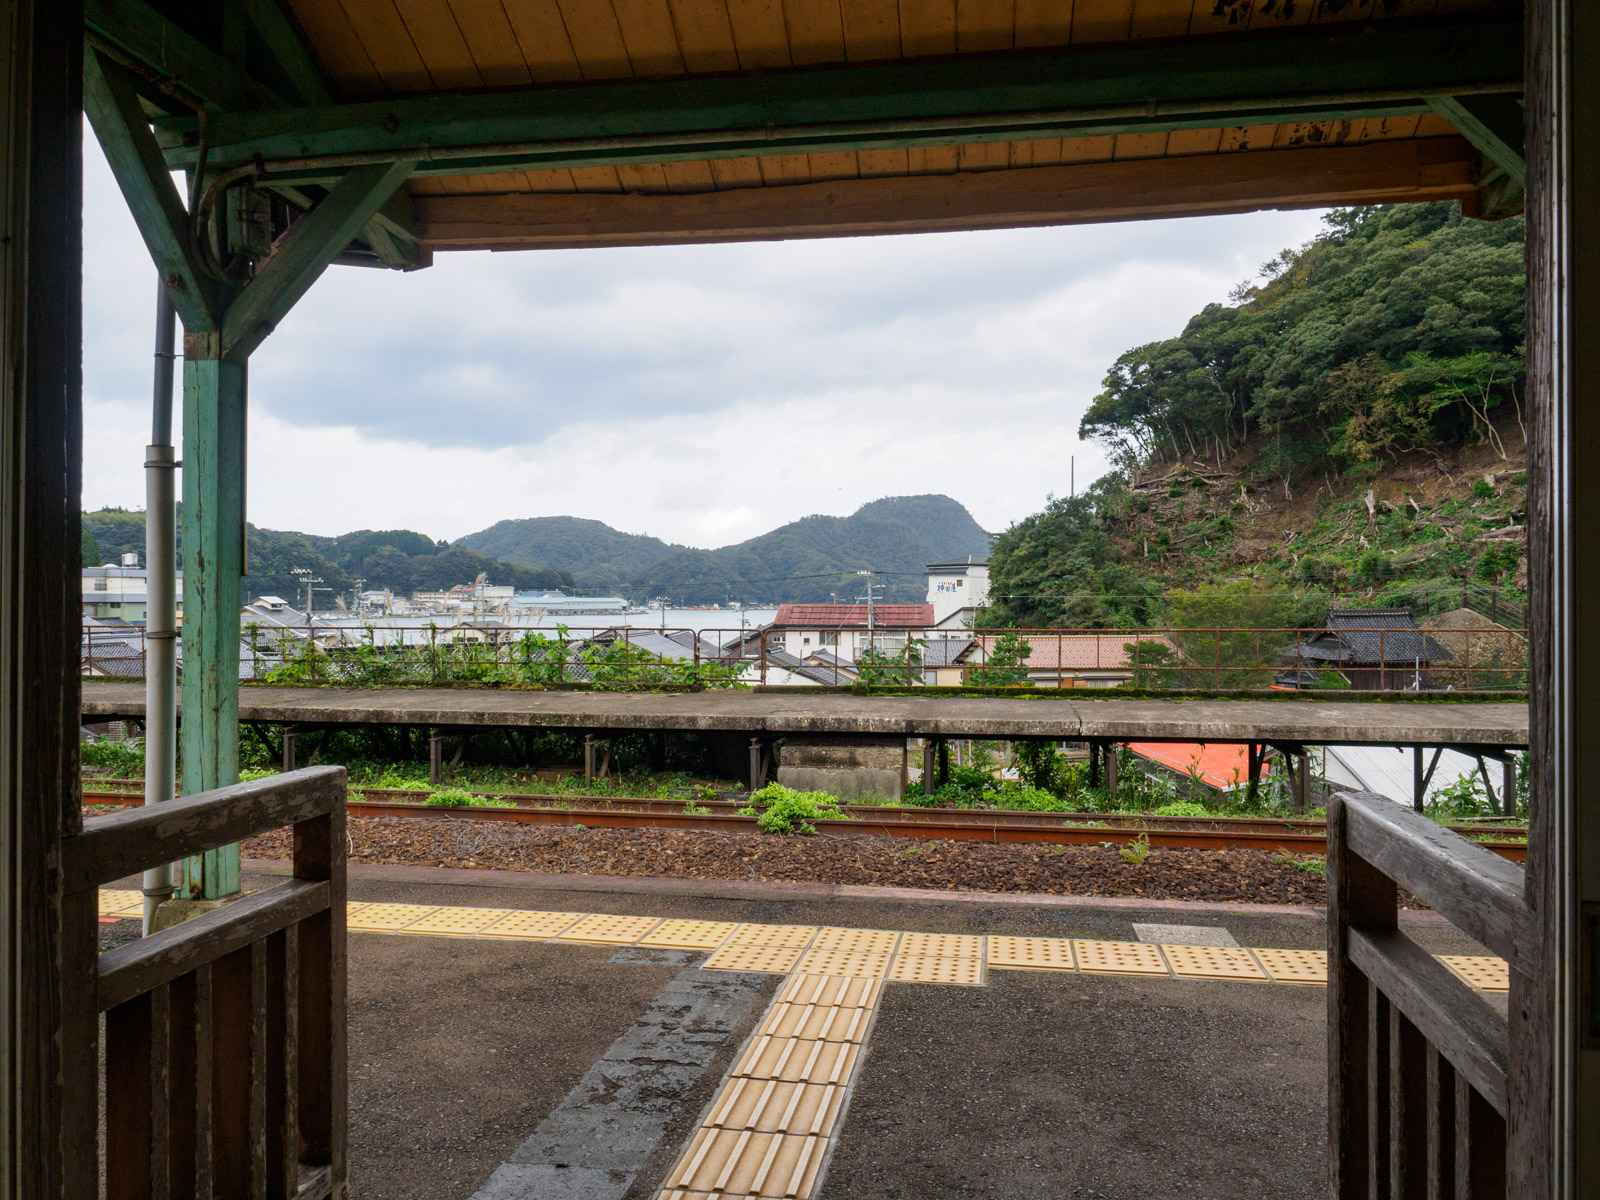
527,1038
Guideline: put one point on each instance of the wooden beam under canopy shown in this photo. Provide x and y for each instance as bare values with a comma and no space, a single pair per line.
1432,169
1078,91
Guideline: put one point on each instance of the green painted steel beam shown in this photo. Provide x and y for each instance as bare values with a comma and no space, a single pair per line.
214,399
124,134
314,242
1494,124
1236,80
134,29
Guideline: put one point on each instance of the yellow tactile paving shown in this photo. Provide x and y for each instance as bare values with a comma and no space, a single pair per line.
794,1060
925,968
459,922
1213,962
858,941
1295,966
688,935
1490,974
121,902
817,1022
535,926
609,930
389,918
843,962
772,935
776,960
745,1163
770,1106
1031,953
942,945
1118,958
848,991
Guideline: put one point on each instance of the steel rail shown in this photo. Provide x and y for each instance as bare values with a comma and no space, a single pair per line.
990,825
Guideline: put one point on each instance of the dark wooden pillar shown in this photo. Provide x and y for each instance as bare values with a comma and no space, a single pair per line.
1109,750
1556,1084
290,733
435,757
49,953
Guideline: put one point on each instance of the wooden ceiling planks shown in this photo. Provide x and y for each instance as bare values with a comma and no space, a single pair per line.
369,48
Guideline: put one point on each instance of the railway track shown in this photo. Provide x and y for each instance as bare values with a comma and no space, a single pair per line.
989,825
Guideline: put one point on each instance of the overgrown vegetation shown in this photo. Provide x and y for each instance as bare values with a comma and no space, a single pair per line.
779,809
118,760
533,660
1349,426
455,797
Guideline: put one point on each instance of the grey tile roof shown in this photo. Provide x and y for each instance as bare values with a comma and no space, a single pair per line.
1368,636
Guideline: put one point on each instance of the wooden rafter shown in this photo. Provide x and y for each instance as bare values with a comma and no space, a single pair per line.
1436,169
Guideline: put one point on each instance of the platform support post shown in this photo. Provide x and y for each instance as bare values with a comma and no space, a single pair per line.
289,735
213,564
758,764
929,758
435,757
1109,750
1418,786
1254,753
1095,746
588,757
1508,785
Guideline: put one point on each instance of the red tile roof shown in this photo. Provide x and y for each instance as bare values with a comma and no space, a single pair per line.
853,616
1221,764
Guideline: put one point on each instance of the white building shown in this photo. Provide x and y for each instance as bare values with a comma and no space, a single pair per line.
120,591
956,590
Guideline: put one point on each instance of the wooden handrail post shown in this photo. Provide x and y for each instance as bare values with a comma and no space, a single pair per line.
322,1088
1359,896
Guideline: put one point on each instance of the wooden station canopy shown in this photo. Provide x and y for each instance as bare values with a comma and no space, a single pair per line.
549,123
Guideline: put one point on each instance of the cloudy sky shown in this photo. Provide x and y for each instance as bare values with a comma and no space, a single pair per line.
701,394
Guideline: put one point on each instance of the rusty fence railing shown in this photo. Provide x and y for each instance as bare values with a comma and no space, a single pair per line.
1423,1097
224,1035
1217,659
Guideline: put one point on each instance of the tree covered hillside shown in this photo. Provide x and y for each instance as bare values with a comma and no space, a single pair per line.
805,560
1351,425
397,559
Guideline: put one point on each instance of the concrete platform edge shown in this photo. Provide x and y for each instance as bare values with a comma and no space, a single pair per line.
732,889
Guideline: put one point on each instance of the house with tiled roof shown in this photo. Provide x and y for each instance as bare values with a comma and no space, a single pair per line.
1378,649
844,629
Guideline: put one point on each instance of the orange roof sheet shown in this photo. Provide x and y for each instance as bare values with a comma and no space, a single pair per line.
1219,764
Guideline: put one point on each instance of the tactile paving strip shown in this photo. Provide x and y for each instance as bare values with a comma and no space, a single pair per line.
769,1106
844,962
772,935
388,918
775,960
688,935
859,941
849,991
1295,966
1118,958
746,1163
460,922
1031,953
121,902
794,1060
942,945
608,930
925,968
533,925
1490,974
817,1022
1214,962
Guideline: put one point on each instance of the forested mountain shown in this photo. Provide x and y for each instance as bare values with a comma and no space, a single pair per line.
1352,425
598,556
805,560
397,559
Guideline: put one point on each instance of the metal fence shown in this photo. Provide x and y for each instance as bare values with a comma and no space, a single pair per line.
625,657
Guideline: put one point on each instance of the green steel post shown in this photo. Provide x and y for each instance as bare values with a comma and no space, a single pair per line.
213,561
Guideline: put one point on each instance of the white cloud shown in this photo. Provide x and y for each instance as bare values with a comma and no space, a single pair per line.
702,394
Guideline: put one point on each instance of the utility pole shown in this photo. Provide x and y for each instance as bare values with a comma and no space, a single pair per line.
310,581
872,639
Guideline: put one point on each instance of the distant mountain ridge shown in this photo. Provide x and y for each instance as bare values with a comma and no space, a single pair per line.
809,560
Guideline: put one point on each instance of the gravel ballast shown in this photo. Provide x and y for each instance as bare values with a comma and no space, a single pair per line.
1238,876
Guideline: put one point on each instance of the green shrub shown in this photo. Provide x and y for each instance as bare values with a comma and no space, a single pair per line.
1029,799
778,809
253,773
1182,808
1482,489
461,798
115,758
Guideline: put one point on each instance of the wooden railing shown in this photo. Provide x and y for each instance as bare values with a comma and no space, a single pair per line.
224,1035
1423,1099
